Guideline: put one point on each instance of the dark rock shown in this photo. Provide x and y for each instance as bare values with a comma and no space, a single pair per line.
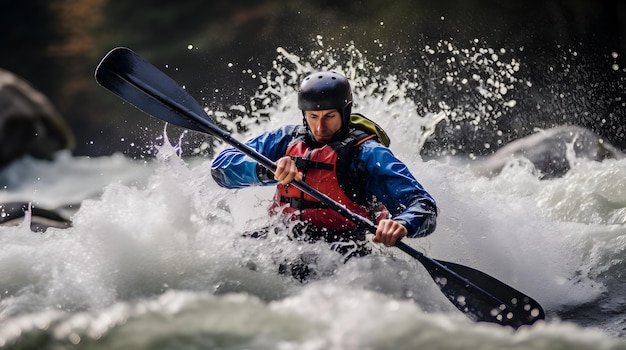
14,213
550,151
29,123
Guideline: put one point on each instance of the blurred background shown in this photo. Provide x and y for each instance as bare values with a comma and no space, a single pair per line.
571,50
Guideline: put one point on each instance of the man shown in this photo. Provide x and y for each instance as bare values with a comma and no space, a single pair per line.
341,155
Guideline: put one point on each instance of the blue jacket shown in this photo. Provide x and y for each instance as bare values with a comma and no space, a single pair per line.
388,178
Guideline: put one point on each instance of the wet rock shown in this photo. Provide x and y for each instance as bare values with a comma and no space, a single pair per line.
550,151
14,213
29,123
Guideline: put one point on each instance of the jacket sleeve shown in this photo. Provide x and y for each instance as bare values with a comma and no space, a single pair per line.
391,182
231,168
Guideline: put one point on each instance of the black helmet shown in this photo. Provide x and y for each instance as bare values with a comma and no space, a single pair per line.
326,90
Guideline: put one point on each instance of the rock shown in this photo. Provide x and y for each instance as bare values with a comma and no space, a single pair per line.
29,123
550,151
14,213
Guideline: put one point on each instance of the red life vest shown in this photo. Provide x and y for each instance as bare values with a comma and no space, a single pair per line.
320,167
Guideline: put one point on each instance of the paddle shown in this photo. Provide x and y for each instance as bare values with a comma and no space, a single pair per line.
478,295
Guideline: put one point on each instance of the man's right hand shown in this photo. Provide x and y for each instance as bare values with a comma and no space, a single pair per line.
286,171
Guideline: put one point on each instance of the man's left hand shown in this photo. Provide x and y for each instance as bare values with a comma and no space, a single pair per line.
388,232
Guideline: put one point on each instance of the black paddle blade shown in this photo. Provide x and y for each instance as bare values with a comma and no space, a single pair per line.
137,81
482,297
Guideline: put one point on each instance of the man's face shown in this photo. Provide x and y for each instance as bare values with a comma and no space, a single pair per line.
323,124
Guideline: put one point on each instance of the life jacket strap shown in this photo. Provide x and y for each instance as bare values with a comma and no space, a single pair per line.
303,163
299,203
358,143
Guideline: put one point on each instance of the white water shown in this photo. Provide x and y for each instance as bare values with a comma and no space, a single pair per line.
155,258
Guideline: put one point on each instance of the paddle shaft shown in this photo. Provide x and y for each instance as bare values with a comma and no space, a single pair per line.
475,293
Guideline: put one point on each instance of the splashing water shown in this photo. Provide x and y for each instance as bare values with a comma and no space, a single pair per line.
155,257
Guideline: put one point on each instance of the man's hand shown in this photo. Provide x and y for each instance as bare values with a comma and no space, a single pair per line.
388,232
286,171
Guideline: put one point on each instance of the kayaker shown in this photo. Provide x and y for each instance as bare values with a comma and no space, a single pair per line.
342,155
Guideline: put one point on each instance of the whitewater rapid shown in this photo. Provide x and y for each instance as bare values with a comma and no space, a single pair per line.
155,258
